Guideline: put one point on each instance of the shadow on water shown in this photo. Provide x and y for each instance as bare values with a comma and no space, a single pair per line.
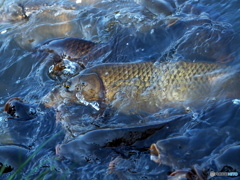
75,141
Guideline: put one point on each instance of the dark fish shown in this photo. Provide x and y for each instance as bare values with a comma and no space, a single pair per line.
12,158
18,109
69,56
89,144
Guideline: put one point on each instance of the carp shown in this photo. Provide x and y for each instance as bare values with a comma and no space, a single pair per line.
68,56
146,86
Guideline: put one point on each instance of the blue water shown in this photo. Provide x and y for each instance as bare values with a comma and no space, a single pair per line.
116,146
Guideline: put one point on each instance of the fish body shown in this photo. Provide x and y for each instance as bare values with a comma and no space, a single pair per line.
148,86
68,56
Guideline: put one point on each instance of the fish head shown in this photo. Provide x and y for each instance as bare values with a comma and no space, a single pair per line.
86,86
16,108
12,13
57,96
172,151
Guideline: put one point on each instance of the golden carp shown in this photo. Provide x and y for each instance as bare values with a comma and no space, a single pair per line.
146,86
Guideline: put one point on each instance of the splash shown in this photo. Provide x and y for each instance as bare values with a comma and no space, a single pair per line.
82,100
64,69
3,32
236,101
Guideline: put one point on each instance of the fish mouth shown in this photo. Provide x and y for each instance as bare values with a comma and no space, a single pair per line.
159,154
88,89
59,156
9,106
57,96
64,70
16,108
155,153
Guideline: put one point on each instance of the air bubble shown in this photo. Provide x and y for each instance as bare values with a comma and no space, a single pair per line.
18,81
82,100
32,111
4,31
1,101
72,67
195,116
236,101
95,105
50,70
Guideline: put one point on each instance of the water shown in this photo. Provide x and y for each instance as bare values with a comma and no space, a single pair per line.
82,142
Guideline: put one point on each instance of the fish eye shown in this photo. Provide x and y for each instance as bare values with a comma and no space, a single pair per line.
67,85
77,88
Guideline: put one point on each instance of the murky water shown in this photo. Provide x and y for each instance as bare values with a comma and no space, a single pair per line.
75,142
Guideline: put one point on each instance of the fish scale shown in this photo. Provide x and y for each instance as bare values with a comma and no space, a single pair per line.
149,86
168,81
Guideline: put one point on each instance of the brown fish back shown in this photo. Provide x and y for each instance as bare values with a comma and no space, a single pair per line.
159,83
180,81
115,77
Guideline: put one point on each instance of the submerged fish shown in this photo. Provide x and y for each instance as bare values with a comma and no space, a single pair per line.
146,86
68,56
